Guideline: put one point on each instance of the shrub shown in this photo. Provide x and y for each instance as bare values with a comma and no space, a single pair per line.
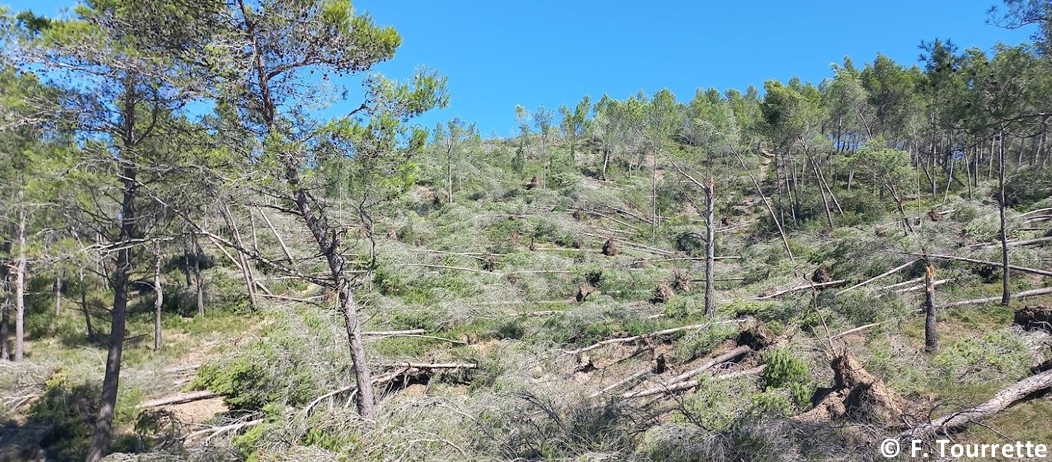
788,372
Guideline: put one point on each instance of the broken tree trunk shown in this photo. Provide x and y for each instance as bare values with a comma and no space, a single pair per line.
931,336
710,247
1004,398
1006,294
246,269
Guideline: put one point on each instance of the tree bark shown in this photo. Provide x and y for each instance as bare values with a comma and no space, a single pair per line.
1006,295
100,441
931,335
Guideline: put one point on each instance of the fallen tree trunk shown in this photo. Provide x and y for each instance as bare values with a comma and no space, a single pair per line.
995,264
852,331
817,285
691,383
1024,242
179,399
882,275
216,431
652,334
982,301
388,333
1004,398
739,351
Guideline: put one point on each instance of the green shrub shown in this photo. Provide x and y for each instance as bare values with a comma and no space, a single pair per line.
789,372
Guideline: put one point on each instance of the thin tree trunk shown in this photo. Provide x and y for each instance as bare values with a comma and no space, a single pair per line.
246,270
58,296
931,335
84,305
1006,295
20,289
158,301
825,202
5,309
653,197
710,246
100,441
284,248
767,203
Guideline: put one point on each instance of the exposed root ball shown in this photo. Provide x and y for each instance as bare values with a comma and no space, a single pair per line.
680,281
662,293
856,394
1035,317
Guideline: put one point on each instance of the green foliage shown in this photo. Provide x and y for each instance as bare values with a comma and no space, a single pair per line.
1000,354
788,372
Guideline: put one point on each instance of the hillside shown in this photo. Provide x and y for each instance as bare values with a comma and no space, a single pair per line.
199,265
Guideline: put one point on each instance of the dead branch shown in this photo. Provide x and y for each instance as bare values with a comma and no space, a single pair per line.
388,333
213,432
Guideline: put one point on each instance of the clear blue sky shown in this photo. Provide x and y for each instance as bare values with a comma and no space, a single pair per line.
499,53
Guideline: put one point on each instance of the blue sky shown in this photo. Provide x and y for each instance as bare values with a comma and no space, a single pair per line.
500,53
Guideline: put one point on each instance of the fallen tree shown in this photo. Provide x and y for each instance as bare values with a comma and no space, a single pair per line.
682,378
692,383
652,334
991,263
179,399
814,285
880,276
981,301
1001,400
